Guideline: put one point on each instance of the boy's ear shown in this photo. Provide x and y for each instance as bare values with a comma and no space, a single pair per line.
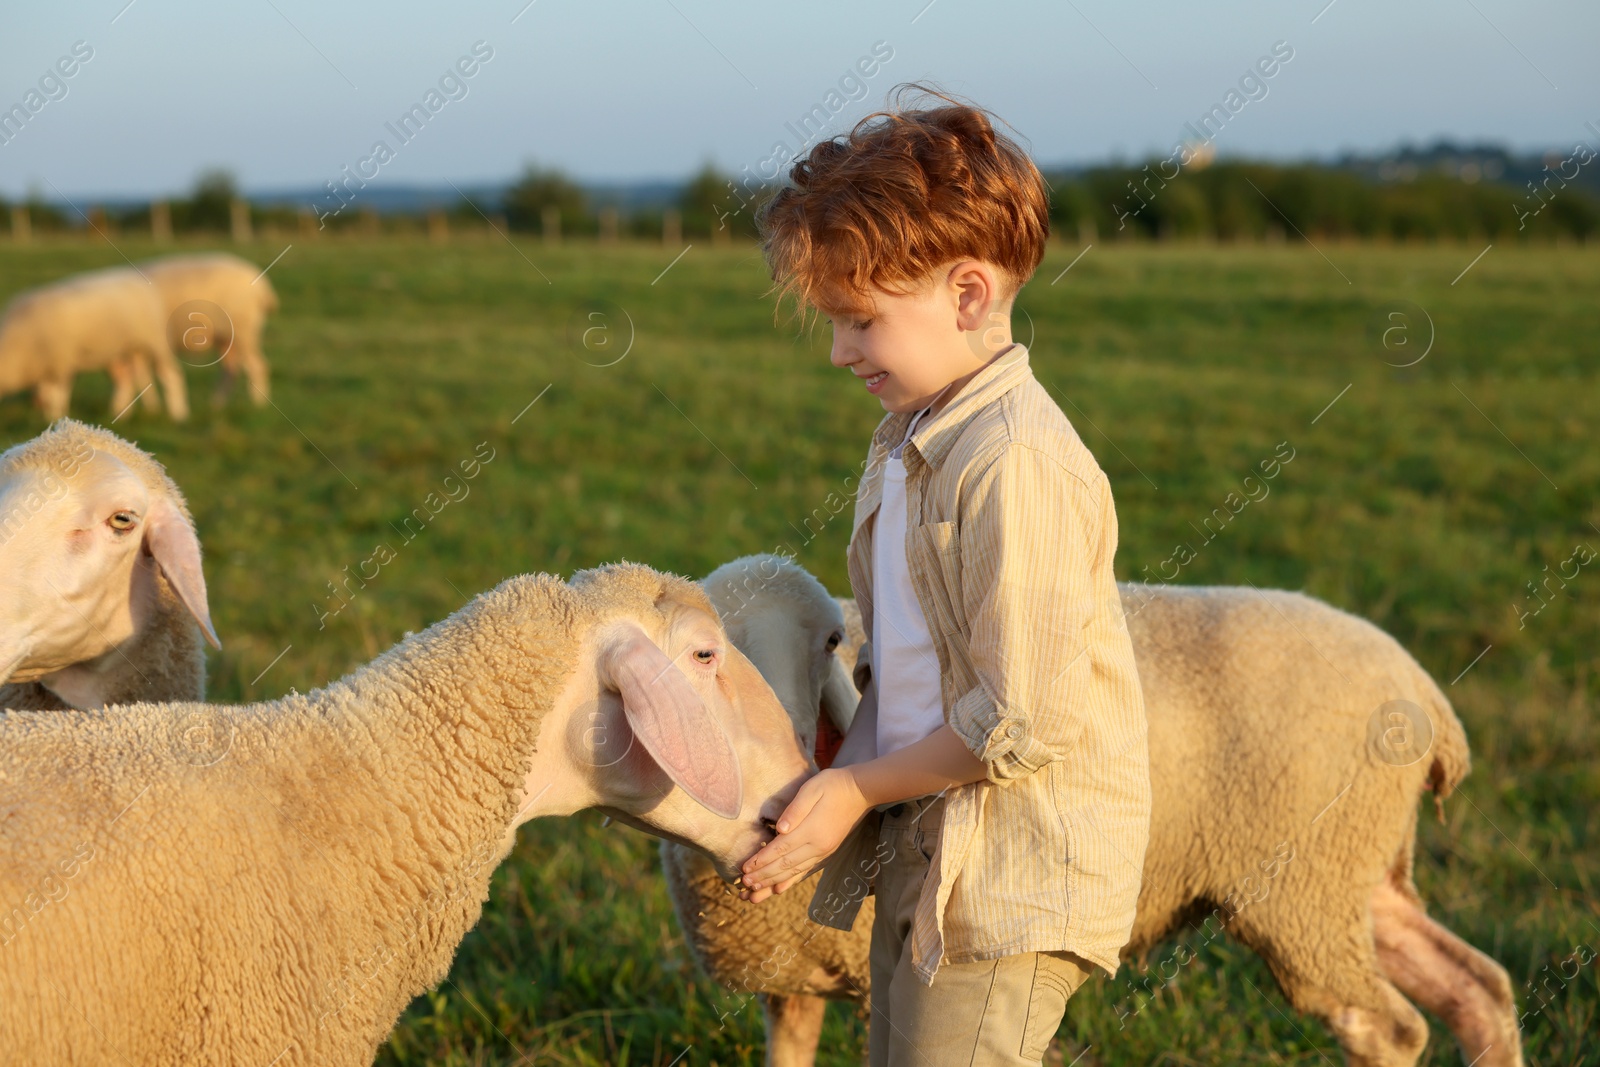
977,289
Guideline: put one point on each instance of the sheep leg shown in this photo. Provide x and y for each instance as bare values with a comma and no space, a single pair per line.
130,381
1375,1025
54,397
255,369
173,387
1392,1035
1469,991
794,1027
226,343
122,391
142,383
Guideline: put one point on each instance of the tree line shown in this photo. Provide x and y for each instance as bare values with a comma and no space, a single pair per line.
1160,200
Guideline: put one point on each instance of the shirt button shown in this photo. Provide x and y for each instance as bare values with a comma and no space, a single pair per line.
1014,730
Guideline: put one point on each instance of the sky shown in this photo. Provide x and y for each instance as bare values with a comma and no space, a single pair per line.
285,93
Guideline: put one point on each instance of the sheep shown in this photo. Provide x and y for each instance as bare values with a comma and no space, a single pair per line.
282,899
107,319
101,575
780,616
221,302
1284,811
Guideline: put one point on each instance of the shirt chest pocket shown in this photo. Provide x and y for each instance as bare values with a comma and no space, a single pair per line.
938,563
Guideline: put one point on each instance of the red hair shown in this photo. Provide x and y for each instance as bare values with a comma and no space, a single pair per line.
904,192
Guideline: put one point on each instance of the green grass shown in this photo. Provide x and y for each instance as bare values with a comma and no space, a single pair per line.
1425,498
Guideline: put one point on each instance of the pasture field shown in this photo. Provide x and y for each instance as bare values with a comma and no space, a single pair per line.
1429,498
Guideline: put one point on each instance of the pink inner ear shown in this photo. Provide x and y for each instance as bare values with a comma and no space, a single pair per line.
173,544
676,727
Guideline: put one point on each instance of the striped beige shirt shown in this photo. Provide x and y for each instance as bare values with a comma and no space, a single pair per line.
1010,535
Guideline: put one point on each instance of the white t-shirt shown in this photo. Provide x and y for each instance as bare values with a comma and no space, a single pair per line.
905,666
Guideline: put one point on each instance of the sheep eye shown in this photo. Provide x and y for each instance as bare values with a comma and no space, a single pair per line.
706,655
122,521
833,640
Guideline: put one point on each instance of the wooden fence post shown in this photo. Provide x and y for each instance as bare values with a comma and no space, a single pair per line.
239,218
160,221
672,228
21,224
438,227
550,222
609,225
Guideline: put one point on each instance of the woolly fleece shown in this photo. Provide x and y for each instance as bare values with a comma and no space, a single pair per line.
246,297
86,322
1260,704
280,897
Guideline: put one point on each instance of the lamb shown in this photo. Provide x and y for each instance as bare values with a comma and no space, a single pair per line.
221,302
283,901
108,319
101,575
1289,743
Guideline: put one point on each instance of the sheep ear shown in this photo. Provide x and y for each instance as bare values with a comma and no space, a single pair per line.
675,726
171,541
863,672
839,697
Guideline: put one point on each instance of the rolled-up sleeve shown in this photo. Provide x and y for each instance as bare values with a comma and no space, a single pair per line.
1030,536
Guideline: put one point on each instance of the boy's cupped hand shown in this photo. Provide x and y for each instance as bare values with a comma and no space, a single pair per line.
811,829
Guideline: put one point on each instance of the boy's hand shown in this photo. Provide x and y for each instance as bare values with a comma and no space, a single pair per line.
811,829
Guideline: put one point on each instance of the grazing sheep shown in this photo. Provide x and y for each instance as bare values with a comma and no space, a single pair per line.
1289,744
281,900
100,571
107,319
194,289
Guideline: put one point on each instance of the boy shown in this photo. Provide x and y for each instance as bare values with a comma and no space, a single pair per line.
994,787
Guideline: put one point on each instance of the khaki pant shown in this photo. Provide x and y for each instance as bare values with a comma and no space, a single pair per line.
1002,1011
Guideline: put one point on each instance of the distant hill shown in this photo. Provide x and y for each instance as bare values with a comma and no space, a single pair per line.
1472,163
1444,189
415,199
1407,163
1469,163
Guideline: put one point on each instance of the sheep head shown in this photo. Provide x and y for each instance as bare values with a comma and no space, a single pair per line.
780,616
668,727
89,526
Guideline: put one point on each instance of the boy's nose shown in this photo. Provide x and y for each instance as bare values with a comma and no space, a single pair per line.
840,355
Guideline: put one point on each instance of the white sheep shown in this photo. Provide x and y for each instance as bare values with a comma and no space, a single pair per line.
100,572
217,302
109,319
281,894
1289,744
805,643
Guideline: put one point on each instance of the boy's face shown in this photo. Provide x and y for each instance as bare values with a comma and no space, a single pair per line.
909,348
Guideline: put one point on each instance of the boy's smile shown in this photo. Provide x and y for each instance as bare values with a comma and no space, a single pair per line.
912,350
